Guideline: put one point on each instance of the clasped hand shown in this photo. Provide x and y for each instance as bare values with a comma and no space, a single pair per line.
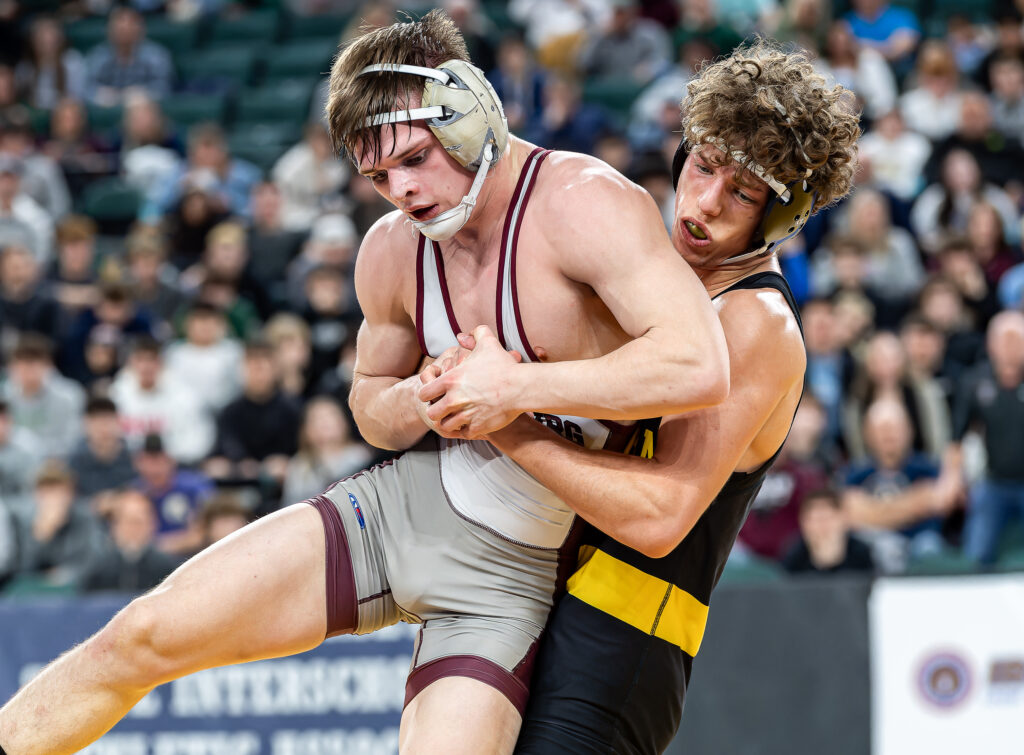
468,391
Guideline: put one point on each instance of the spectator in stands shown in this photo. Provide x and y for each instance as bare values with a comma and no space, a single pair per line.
970,42
941,303
73,275
51,69
188,224
127,61
82,155
1000,160
27,304
177,494
897,500
206,356
884,375
925,347
1011,288
892,30
226,259
152,279
943,209
22,220
272,247
860,68
825,545
308,176
8,544
828,365
932,106
41,177
19,458
130,562
327,452
802,467
558,29
476,29
804,23
211,169
332,316
892,159
332,241
101,463
991,399
628,47
989,246
41,400
150,153
518,82
103,357
151,400
221,515
893,266
61,538
115,309
258,432
701,20
289,337
1007,99
567,122
1008,42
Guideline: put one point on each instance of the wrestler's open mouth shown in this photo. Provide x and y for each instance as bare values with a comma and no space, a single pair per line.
696,230
424,212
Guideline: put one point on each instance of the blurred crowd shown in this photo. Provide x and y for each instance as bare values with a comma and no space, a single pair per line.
177,317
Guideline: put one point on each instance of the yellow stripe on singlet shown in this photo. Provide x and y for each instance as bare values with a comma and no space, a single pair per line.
652,605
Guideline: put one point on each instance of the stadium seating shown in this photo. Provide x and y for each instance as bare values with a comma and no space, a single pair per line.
307,60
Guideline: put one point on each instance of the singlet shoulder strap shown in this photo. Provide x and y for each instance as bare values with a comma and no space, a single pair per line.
768,279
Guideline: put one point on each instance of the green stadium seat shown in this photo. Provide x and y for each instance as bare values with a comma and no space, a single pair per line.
85,34
178,37
186,110
949,562
111,201
301,60
104,119
263,143
40,120
259,26
215,67
616,94
316,27
283,102
751,570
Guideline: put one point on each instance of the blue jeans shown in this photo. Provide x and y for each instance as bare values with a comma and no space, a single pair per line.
992,504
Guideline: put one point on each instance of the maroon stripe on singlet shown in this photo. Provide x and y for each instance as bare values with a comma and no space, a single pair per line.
504,245
342,606
419,295
514,685
512,262
444,289
619,435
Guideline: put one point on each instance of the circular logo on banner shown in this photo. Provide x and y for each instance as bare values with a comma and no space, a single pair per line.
944,680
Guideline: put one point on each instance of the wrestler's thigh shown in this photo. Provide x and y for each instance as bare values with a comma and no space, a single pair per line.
457,715
259,593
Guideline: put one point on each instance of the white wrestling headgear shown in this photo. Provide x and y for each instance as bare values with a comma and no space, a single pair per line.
460,107
786,212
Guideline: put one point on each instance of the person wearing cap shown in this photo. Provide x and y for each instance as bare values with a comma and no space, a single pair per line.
554,250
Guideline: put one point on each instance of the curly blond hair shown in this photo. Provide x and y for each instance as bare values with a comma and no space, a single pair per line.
771,105
428,42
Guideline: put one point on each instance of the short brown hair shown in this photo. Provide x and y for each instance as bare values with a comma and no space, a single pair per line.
76,228
734,102
428,42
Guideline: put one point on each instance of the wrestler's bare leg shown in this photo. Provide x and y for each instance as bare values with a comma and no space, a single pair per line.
259,593
459,716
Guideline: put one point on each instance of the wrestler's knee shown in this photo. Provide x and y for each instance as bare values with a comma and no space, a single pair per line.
134,647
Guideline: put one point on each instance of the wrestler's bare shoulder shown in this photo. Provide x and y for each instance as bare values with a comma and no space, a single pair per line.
762,330
573,179
386,262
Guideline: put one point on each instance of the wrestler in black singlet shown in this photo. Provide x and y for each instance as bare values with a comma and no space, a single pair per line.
612,679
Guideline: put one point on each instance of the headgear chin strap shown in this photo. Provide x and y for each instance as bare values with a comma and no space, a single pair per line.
460,107
785,213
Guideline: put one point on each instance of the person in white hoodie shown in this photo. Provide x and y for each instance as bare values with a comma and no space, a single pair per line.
151,400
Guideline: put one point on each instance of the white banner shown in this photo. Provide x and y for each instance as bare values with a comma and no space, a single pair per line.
947,665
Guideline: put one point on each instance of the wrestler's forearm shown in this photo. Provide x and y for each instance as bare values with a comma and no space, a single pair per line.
651,376
384,409
623,496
